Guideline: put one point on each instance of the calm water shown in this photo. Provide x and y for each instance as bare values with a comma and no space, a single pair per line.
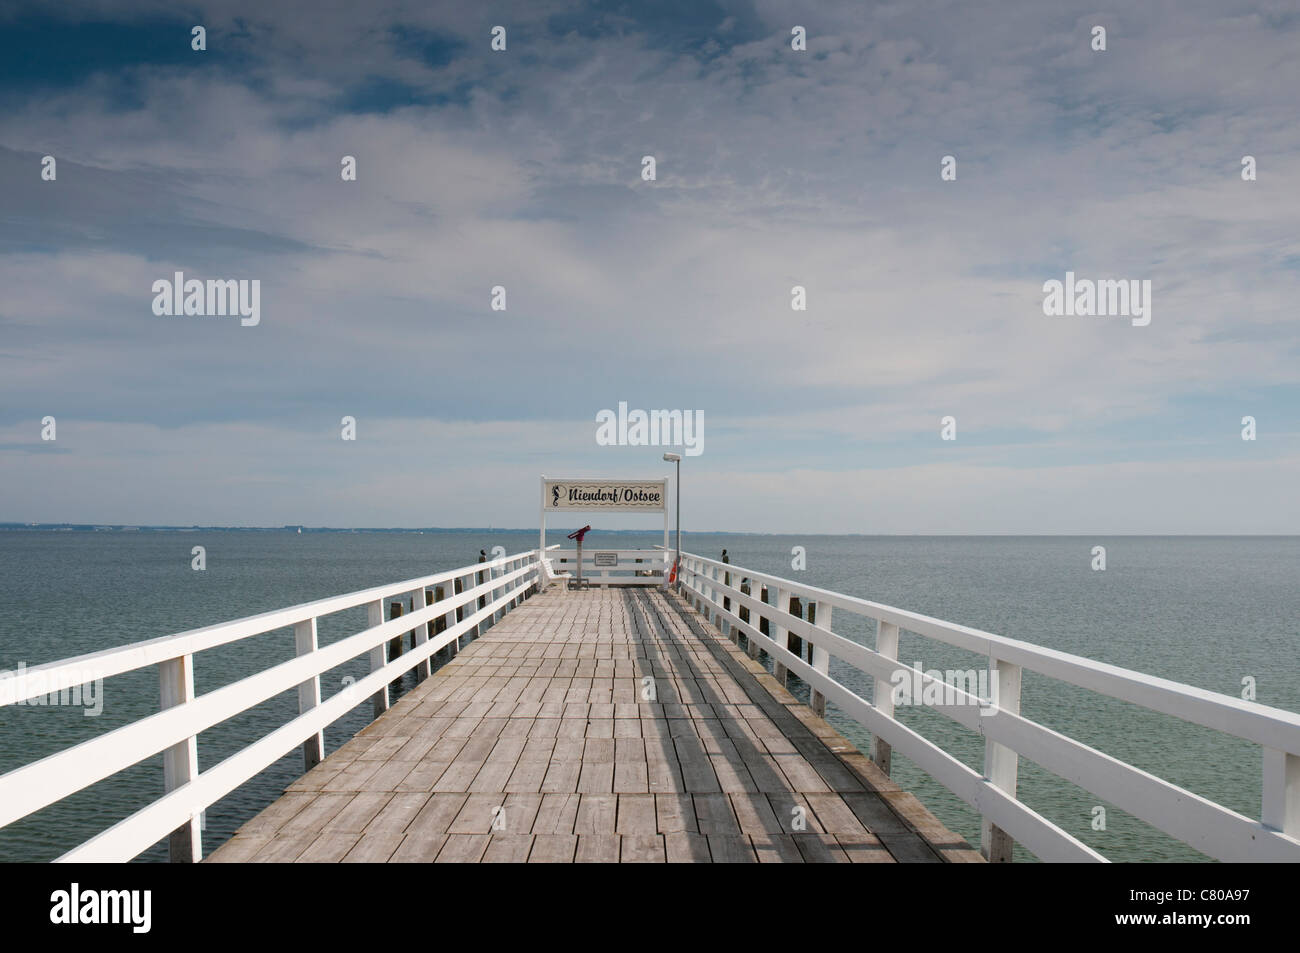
1206,611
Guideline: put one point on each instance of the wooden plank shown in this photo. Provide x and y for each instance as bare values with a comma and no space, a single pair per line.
279,813
819,849
478,814
418,847
553,849
636,814
675,813
864,849
731,849
358,812
463,848
422,777
398,813
376,847
596,778
834,816
239,849
687,847
437,814
713,815
557,814
774,848
562,777
316,814
597,814
508,849
755,815
534,744
283,848
642,849
631,777
597,849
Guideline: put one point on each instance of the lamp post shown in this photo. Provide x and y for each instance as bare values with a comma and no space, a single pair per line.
677,459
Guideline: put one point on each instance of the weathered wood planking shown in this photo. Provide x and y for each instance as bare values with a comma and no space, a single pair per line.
599,726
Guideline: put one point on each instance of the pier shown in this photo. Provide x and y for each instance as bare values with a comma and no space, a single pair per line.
643,719
605,726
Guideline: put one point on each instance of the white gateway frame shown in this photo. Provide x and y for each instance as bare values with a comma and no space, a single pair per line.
607,496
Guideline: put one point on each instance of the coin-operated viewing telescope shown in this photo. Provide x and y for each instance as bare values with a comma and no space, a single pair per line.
577,582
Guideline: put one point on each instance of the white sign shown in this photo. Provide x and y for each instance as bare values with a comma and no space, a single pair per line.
628,496
606,559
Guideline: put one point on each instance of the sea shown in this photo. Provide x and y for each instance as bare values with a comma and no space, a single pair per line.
1219,613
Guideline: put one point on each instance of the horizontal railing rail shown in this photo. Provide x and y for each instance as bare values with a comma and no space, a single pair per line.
481,592
644,567
802,615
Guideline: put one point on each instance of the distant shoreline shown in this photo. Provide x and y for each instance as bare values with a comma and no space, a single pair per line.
294,529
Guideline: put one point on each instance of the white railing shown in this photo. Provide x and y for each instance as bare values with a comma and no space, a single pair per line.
613,567
480,593
1205,825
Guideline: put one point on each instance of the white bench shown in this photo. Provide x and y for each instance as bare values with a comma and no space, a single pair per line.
549,575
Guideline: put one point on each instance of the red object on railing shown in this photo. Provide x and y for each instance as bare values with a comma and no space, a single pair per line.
579,533
672,576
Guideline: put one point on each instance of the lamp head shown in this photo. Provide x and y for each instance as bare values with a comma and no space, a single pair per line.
673,457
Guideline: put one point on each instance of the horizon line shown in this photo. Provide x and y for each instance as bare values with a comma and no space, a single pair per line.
12,525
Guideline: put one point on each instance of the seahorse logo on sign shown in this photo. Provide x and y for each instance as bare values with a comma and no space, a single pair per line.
555,494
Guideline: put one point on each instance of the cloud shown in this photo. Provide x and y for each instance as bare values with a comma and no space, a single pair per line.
776,169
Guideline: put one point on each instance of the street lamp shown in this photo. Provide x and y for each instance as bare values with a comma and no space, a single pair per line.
677,459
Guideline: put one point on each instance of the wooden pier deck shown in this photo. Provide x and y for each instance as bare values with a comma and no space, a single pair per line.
535,744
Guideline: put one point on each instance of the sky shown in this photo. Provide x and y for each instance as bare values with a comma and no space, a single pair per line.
774,168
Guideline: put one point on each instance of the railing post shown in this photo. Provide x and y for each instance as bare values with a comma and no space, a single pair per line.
1001,764
821,659
423,670
395,643
707,586
726,581
742,586
181,760
480,627
883,696
718,596
1281,794
759,623
793,642
374,618
497,593
449,618
781,637
715,596
471,607
305,642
